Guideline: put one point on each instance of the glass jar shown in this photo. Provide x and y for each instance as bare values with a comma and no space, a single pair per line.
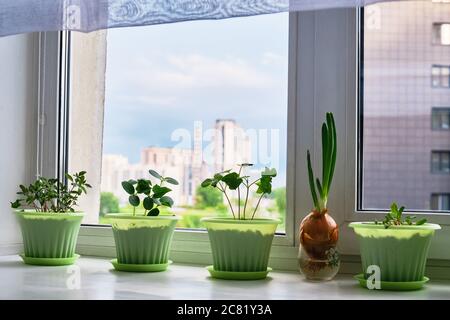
318,258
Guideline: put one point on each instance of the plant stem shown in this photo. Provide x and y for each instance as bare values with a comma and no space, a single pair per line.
257,205
246,198
228,199
239,203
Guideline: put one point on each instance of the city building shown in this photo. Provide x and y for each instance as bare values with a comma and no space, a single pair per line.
230,147
406,142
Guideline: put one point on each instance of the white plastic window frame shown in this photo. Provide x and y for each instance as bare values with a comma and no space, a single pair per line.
189,246
323,77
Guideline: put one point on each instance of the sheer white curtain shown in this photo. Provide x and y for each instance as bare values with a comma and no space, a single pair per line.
21,16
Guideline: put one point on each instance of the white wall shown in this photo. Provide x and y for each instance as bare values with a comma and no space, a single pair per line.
17,128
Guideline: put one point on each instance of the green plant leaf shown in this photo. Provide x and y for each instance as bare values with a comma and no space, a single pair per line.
319,188
400,212
206,183
153,213
148,203
232,180
394,208
269,172
15,204
134,200
166,201
421,222
171,180
332,128
245,165
143,186
155,174
312,187
325,157
128,187
264,185
159,191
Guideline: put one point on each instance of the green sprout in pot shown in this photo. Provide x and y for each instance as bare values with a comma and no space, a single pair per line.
398,245
243,235
153,195
49,223
395,218
52,195
235,181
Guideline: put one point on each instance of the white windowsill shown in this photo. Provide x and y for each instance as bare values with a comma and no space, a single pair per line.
99,281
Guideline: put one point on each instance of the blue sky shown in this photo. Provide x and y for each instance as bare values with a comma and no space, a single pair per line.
164,77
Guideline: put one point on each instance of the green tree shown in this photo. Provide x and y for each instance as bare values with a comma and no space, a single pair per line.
280,198
208,197
109,203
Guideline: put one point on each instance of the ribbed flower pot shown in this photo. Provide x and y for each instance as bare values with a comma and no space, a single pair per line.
399,251
142,242
49,238
240,248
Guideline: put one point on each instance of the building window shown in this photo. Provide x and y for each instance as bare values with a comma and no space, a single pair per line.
440,76
191,100
440,161
441,34
440,201
440,118
396,138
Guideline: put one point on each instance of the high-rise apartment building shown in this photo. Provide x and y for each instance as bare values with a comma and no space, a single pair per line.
232,146
406,105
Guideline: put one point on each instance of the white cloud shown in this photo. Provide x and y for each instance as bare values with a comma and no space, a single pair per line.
270,58
146,100
196,71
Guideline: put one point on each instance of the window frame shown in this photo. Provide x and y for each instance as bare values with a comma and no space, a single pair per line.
437,112
441,169
439,196
188,245
353,211
323,53
440,76
437,34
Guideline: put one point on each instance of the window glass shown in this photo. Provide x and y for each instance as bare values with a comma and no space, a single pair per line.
440,118
404,73
441,34
195,98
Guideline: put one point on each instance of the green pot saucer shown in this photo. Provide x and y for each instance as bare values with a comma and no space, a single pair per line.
394,286
49,261
238,275
140,267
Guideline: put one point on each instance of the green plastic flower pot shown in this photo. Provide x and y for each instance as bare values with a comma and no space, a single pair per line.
49,236
399,251
240,246
142,241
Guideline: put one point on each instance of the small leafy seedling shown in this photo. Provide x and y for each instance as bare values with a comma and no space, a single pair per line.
395,218
153,196
51,195
234,181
